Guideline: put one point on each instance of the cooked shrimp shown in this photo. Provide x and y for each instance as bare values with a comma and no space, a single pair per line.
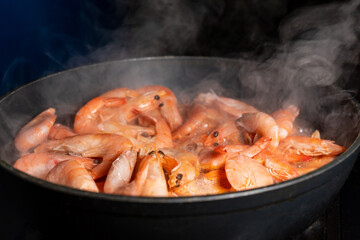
155,184
88,117
261,123
126,93
163,138
36,131
121,171
216,159
315,163
143,103
213,182
229,105
125,130
246,150
285,118
105,146
187,167
234,107
211,160
290,158
135,187
59,131
197,115
168,108
200,121
149,178
224,134
193,143
143,143
277,167
147,119
39,164
73,173
244,173
309,146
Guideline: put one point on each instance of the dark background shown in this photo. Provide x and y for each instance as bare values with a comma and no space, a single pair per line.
40,37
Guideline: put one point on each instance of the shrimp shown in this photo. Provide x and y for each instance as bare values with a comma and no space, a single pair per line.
224,134
88,117
155,184
124,130
149,178
281,170
39,164
59,131
126,93
216,159
197,115
193,144
234,107
163,138
168,107
309,146
244,173
106,146
187,168
36,131
315,163
246,150
212,182
147,119
212,160
285,118
120,172
229,105
73,173
200,121
261,123
143,103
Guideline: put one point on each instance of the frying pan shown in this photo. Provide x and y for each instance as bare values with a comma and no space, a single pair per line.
42,210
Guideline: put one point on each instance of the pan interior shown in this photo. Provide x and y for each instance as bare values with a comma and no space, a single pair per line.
328,108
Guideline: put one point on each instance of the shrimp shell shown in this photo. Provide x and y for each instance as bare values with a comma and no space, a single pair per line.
73,173
36,131
309,146
244,173
39,164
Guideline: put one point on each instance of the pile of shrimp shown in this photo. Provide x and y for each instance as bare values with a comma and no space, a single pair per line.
143,143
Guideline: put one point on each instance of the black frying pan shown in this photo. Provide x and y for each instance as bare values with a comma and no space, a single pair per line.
41,210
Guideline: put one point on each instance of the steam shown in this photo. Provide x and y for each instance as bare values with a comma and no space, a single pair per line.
314,46
151,28
315,42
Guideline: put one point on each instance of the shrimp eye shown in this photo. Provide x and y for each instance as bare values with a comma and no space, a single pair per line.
216,133
161,104
96,161
152,153
178,178
157,97
162,154
216,144
144,134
